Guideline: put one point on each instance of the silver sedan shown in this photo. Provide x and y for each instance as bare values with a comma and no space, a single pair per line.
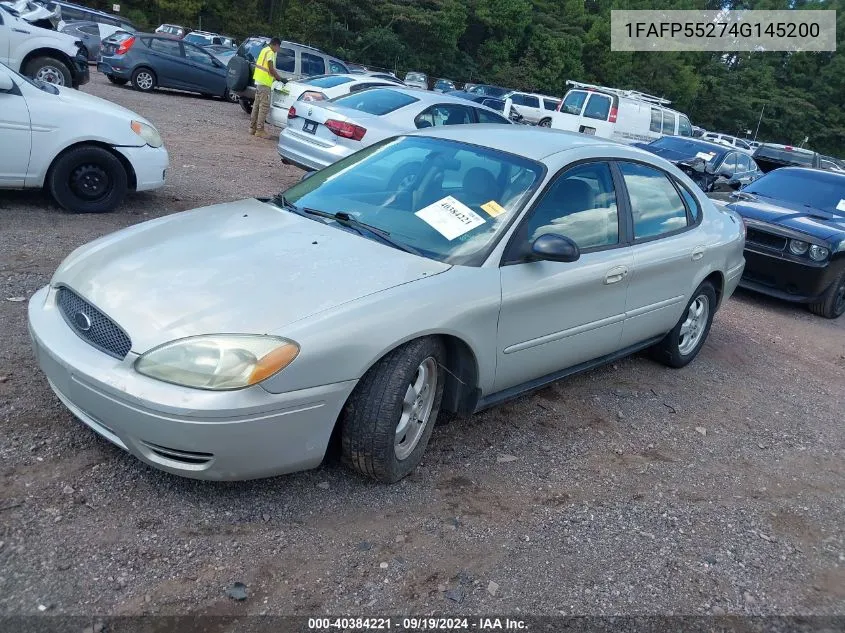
320,133
448,270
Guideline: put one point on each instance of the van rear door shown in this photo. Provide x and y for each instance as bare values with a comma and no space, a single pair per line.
599,115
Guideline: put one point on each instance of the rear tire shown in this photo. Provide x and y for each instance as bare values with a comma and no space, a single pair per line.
50,70
680,346
246,105
117,80
388,419
88,179
545,123
144,79
832,304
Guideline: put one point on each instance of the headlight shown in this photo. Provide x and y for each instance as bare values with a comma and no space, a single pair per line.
818,253
147,132
219,361
797,247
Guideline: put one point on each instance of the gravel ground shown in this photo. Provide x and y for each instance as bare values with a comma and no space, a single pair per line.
632,489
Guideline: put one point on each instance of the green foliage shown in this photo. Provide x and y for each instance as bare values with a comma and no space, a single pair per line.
539,44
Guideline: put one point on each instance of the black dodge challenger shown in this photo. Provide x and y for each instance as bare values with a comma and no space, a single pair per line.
795,237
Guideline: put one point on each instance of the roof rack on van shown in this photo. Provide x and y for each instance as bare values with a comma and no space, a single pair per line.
633,94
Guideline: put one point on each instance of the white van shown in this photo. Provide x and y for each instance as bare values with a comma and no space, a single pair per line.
622,115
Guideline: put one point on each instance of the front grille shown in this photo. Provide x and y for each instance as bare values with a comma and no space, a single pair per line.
766,240
91,325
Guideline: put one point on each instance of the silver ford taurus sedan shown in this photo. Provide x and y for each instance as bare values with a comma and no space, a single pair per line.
446,270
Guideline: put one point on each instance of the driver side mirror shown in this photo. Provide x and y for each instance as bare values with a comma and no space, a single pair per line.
6,83
555,248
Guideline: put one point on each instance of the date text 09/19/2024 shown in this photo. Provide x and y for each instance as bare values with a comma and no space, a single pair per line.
416,624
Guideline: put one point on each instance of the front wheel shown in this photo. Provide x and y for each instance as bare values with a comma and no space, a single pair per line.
388,419
545,123
49,70
832,304
246,105
88,179
686,339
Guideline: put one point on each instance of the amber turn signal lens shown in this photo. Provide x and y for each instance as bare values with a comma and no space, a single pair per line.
275,361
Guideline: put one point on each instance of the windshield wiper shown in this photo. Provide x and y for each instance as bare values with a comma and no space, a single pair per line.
362,228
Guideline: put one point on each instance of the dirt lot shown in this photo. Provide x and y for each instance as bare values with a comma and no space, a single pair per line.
630,489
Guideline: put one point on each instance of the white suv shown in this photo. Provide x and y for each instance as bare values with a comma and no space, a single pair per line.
53,57
730,141
85,151
535,109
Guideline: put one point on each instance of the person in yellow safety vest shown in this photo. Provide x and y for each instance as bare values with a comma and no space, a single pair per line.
264,74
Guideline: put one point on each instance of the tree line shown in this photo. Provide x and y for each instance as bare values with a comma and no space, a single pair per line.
538,44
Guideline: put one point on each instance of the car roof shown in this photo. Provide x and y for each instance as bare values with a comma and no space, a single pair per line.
532,142
835,177
700,141
427,97
790,148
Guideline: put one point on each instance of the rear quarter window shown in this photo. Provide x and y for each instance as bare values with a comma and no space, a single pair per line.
378,101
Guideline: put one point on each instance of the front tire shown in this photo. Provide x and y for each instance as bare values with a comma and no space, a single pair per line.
49,70
545,123
832,304
144,79
388,419
88,179
680,346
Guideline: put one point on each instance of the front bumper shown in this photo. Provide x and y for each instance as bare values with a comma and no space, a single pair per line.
777,275
150,165
298,148
226,435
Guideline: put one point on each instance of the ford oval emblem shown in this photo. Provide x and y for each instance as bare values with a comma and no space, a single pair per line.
82,321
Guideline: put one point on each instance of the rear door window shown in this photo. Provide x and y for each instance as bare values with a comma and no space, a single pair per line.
285,60
668,123
313,65
656,205
598,107
573,102
656,121
378,101
444,114
166,46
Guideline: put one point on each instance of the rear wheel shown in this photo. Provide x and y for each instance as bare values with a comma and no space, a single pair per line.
832,304
144,79
545,123
686,339
49,70
388,419
117,80
88,179
246,105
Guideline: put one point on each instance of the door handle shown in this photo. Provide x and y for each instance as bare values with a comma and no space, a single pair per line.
615,275
698,253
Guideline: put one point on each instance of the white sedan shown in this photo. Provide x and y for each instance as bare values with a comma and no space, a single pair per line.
321,88
85,151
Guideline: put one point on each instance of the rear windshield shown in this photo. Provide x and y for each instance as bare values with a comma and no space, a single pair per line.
414,77
573,102
817,189
378,101
785,156
328,81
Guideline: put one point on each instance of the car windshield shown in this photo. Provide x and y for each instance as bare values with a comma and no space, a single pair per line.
685,146
378,101
443,199
816,189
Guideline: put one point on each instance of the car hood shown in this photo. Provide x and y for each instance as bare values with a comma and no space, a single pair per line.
240,267
72,97
816,222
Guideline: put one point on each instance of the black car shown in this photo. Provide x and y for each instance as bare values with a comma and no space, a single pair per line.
711,166
795,237
490,102
152,61
770,156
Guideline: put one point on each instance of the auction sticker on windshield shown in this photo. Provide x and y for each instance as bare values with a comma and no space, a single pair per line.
450,217
705,156
493,208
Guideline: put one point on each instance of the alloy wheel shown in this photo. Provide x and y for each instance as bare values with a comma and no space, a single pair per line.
692,329
416,408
